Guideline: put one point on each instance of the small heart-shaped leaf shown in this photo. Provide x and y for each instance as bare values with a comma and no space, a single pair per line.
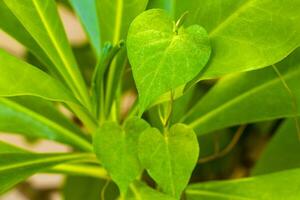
170,158
117,149
164,56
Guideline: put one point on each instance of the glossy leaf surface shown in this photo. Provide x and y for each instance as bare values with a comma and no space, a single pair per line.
245,34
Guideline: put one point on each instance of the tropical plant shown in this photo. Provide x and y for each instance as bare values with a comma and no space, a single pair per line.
202,70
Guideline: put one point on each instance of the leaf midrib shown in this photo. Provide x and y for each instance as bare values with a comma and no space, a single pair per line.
230,17
41,161
63,131
206,116
74,76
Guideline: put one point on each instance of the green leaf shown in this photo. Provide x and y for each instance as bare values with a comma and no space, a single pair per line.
10,24
282,152
143,192
249,97
15,118
17,166
167,5
8,148
115,17
170,158
87,12
117,149
88,188
245,34
48,110
162,57
276,186
41,20
19,78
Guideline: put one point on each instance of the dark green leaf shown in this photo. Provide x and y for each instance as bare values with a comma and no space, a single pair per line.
87,188
282,152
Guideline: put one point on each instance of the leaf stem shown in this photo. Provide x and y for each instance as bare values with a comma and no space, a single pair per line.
228,148
293,99
80,169
180,21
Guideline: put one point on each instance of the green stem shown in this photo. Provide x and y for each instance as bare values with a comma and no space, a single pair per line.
84,115
82,170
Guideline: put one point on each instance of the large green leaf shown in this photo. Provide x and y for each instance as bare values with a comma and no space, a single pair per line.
10,24
282,152
276,186
41,20
170,158
47,109
19,78
15,118
115,17
117,149
249,97
16,167
164,57
87,12
245,34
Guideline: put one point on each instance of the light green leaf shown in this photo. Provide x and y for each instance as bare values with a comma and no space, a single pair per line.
10,24
41,20
282,152
47,109
19,78
143,192
276,186
17,166
162,57
115,17
249,97
117,149
170,158
245,34
87,12
15,118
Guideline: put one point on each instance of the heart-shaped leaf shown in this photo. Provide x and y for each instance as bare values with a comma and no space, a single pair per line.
117,149
164,56
170,158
